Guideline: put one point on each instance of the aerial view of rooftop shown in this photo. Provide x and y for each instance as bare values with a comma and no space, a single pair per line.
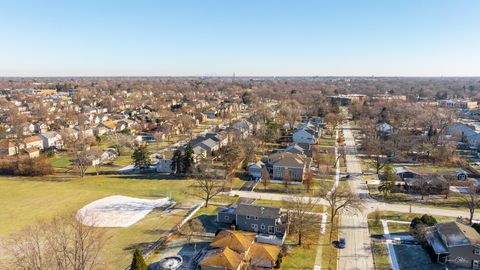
239,135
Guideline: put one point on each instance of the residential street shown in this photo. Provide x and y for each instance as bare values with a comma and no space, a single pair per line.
354,225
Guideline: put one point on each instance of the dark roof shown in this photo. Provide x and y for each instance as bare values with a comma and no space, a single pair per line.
457,234
258,211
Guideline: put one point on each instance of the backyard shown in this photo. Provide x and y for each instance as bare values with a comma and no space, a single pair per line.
26,200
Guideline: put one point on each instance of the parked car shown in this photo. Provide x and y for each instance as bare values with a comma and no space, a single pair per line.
341,243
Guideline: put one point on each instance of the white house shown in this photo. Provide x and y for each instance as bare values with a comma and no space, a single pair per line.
51,139
164,164
255,169
33,141
305,135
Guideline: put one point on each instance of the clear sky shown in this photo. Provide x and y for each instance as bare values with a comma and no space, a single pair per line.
261,37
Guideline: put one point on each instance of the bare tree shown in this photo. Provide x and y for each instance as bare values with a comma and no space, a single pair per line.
64,243
78,147
471,200
333,120
206,188
121,141
287,179
308,181
341,197
265,178
302,217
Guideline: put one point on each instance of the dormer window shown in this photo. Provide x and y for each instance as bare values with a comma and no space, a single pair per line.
476,251
256,218
248,217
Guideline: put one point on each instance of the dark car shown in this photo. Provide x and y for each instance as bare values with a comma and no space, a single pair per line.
341,243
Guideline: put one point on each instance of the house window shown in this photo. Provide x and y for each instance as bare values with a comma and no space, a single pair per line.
262,227
248,217
278,229
476,251
476,264
226,217
254,227
270,229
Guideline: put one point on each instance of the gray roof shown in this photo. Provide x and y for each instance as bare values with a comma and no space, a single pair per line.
457,234
291,162
209,143
258,211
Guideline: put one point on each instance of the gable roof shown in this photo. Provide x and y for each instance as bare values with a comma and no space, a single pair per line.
258,211
291,162
6,144
235,240
260,251
223,258
208,143
32,139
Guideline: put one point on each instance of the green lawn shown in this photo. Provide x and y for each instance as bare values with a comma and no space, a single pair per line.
329,251
301,257
24,201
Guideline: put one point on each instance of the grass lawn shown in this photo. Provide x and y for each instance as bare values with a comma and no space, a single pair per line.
329,251
26,200
301,257
438,201
380,255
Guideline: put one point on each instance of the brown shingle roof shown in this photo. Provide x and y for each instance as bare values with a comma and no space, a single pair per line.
223,258
260,252
32,139
236,240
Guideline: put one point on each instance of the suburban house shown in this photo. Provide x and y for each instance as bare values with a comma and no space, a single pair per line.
33,141
7,148
209,145
295,164
210,142
465,134
300,148
51,139
405,172
255,169
241,128
264,220
233,250
164,164
306,133
455,244
32,152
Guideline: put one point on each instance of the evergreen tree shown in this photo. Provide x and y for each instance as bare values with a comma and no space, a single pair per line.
388,184
177,162
141,158
138,263
188,158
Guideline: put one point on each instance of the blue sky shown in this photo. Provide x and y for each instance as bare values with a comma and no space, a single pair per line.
267,38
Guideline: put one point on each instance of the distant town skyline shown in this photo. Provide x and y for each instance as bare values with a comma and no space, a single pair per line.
249,38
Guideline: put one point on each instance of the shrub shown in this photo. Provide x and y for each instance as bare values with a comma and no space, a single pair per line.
428,220
415,222
26,167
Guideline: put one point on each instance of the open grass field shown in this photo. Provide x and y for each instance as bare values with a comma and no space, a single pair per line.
24,201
